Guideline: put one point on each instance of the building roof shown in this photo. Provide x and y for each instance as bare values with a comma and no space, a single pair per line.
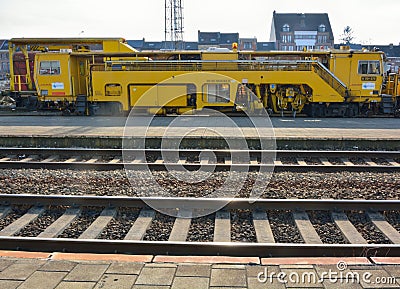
217,38
152,45
191,45
390,50
228,38
302,21
207,38
137,44
266,46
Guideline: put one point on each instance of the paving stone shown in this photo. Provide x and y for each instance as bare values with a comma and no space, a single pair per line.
161,265
151,287
87,272
39,262
228,266
371,281
254,283
206,259
9,284
102,258
76,285
58,266
24,255
116,281
4,263
386,260
392,270
125,268
297,266
20,270
295,278
331,271
227,287
228,277
364,267
253,271
341,285
190,282
42,279
194,270
156,276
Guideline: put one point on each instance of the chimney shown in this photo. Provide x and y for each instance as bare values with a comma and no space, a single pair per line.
303,20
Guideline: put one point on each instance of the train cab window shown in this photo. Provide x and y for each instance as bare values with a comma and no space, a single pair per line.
217,93
50,68
369,67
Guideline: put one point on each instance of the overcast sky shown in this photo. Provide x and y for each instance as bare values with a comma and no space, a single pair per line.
373,22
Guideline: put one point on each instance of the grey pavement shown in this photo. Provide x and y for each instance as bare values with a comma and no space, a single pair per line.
38,273
201,126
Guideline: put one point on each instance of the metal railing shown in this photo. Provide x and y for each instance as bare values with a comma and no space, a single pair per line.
330,78
18,81
221,65
228,65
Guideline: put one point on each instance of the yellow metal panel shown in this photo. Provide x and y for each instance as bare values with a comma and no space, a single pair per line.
224,57
361,87
137,91
57,83
171,95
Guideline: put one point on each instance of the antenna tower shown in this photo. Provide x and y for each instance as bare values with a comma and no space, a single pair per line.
173,24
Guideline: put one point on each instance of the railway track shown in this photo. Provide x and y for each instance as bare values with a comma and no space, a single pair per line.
261,228
220,160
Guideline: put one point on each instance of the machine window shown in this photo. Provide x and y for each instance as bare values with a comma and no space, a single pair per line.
217,93
369,67
50,68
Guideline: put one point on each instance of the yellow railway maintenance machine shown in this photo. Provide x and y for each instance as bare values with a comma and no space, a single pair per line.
106,76
54,73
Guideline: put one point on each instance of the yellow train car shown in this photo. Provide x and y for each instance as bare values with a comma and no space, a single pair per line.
77,77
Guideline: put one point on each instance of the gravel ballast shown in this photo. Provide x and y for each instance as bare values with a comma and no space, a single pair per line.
310,185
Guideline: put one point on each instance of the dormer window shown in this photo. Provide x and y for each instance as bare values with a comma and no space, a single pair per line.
286,28
322,28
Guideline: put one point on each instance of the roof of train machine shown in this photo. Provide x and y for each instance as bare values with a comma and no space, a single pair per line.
105,45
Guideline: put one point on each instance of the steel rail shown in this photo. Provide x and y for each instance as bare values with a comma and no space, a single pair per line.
21,154
189,152
194,203
198,248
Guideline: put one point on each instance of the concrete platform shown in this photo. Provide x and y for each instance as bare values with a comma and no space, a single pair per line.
205,131
62,270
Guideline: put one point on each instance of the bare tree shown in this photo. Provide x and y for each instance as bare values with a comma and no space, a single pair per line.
347,36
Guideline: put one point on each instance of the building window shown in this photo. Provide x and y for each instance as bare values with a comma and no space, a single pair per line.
247,45
322,39
305,36
286,28
322,28
301,47
286,38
